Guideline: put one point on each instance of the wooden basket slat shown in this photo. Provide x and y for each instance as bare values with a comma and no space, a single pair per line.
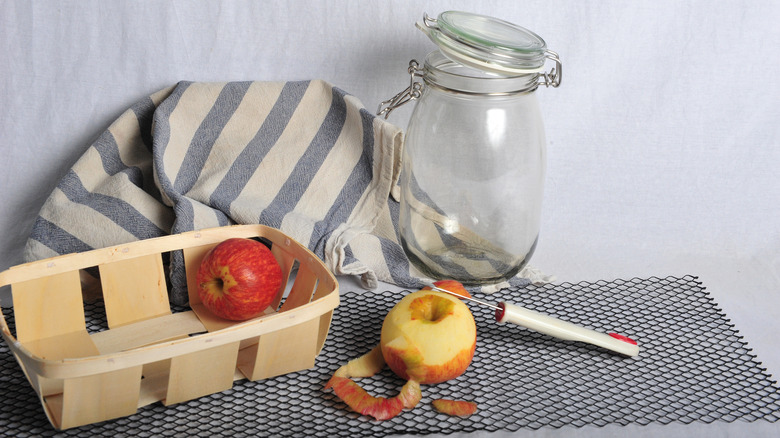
154,385
148,332
281,351
134,290
66,346
302,289
323,288
48,306
98,397
149,353
45,386
324,328
287,262
201,373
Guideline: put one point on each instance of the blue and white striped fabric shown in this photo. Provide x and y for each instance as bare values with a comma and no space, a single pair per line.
304,157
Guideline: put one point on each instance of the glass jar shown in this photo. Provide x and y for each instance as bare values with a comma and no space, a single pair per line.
474,151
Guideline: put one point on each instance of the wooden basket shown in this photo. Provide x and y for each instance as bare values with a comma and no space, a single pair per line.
149,353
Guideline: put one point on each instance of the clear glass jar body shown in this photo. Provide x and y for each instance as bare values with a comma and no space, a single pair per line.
473,174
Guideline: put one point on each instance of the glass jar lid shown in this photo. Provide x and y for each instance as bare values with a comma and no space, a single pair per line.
486,43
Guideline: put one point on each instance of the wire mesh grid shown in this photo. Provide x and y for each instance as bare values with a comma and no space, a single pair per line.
694,367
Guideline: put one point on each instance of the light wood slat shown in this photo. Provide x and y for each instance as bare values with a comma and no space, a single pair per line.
322,334
201,373
148,332
48,306
100,397
287,262
68,345
134,289
323,288
214,323
302,289
280,352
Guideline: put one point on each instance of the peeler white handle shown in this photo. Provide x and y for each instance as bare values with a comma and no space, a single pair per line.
564,330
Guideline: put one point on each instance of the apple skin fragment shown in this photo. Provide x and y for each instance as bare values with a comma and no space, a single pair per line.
364,366
457,408
362,402
410,394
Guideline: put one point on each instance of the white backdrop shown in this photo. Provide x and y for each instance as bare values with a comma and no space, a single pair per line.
664,138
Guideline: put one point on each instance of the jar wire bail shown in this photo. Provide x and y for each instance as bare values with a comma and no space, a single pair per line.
553,78
412,92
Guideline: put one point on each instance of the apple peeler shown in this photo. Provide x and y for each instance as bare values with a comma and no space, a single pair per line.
505,312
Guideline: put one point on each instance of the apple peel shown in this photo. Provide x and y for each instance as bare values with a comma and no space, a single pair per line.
410,394
359,399
456,408
381,408
362,402
364,366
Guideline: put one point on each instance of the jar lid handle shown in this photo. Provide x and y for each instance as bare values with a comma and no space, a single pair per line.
553,78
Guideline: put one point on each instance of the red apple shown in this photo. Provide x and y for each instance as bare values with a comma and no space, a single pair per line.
238,279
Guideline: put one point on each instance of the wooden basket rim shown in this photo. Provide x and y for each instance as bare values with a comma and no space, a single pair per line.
138,248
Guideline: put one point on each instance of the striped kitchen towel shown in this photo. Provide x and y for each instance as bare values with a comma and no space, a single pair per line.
304,157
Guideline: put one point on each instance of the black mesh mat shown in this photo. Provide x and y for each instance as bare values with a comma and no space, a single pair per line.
694,367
